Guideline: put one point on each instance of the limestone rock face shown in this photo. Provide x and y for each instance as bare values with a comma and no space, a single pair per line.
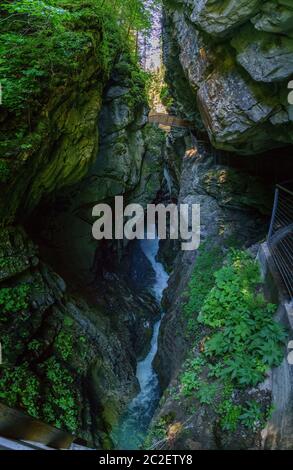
232,207
66,348
49,316
266,57
275,17
231,112
74,337
63,146
182,90
16,253
233,204
237,60
118,166
194,57
220,18
129,163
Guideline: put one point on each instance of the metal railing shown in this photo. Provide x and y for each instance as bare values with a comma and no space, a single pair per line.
280,237
19,426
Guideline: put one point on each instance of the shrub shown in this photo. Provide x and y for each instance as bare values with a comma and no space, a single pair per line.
247,340
13,300
241,339
229,415
166,97
61,404
190,378
202,281
4,172
252,416
20,388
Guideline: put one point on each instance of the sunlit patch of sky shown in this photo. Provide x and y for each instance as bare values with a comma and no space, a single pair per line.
151,45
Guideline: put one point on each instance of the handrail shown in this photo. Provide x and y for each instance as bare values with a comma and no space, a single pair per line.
17,425
283,188
280,236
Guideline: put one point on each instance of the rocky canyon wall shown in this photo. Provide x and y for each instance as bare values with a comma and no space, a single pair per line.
229,64
71,340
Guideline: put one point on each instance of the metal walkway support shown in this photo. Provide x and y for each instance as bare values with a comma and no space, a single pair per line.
280,237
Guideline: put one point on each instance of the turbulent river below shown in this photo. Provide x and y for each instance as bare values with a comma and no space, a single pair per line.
132,429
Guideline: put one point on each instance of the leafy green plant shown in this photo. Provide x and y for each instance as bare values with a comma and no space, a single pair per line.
252,416
229,415
241,340
43,48
206,392
46,390
242,372
190,379
61,405
202,281
20,388
64,340
4,171
158,431
247,341
190,382
35,345
166,97
13,300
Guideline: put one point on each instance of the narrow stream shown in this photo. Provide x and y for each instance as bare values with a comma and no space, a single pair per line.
132,430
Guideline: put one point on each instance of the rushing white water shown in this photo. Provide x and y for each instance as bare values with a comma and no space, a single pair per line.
133,427
168,181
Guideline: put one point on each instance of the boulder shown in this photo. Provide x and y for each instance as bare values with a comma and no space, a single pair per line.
275,17
223,65
221,18
266,57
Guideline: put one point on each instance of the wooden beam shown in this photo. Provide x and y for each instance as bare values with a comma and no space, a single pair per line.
17,425
169,120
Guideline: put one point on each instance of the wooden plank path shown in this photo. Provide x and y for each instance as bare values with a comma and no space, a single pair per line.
169,120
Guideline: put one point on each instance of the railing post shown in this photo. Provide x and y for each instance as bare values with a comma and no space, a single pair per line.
276,200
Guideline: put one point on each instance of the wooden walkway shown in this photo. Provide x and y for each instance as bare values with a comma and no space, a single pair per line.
169,120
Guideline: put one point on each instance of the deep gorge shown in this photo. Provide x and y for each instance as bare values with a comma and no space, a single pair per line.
81,320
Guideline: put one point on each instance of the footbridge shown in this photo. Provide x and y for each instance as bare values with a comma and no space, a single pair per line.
169,120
